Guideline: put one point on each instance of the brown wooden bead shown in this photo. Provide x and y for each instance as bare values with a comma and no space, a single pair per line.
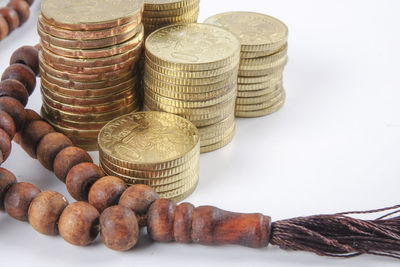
80,179
11,17
106,192
18,198
45,210
160,220
22,9
15,109
7,124
15,89
183,223
5,144
27,55
3,27
22,73
119,229
68,158
79,223
7,179
48,148
30,115
138,198
32,134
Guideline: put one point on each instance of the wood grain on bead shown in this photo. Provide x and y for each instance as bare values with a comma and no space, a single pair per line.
183,223
18,198
68,158
5,144
27,55
15,109
7,124
79,223
7,179
138,198
45,210
22,9
22,73
3,27
32,134
119,229
30,115
48,148
80,179
15,89
160,220
11,17
106,192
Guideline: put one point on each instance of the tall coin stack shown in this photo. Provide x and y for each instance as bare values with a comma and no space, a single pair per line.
89,51
161,13
263,58
191,70
154,148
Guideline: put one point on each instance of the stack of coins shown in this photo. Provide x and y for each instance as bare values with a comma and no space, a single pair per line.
154,148
89,51
263,57
191,70
161,13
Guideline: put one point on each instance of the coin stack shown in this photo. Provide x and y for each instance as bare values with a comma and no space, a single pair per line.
161,13
263,58
191,70
154,148
89,51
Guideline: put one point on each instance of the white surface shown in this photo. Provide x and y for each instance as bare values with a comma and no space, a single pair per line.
334,146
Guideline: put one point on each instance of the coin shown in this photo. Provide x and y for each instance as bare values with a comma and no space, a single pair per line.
263,105
272,83
256,32
259,99
161,5
261,92
90,15
192,47
171,19
170,12
218,137
209,148
265,60
269,70
261,112
260,79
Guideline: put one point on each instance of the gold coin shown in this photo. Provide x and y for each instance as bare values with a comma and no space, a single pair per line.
170,12
267,60
259,99
72,132
278,64
171,19
216,146
212,130
263,105
272,83
148,139
149,28
91,15
161,5
178,191
261,112
260,79
190,104
256,32
218,137
192,47
252,55
261,92
183,196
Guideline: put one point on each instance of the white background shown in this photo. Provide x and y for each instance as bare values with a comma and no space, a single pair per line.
334,146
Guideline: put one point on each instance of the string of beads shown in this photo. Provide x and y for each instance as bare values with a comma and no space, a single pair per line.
13,15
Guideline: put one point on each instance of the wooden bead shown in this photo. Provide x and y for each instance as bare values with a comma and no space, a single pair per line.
80,179
7,124
44,211
22,9
183,223
11,17
7,179
160,220
27,55
138,198
119,229
106,192
78,223
68,158
30,115
15,109
48,148
15,89
32,134
22,73
29,2
18,198
3,27
5,144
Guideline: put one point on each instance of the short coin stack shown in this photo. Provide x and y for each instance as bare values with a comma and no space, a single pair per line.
89,51
161,13
191,71
154,148
263,57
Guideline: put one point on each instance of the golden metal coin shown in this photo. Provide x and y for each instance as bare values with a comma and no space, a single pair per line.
148,139
258,99
192,47
263,105
221,136
91,15
212,130
161,5
267,60
261,112
261,92
216,146
190,104
170,12
171,19
252,55
149,28
278,64
183,196
260,79
256,32
272,83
